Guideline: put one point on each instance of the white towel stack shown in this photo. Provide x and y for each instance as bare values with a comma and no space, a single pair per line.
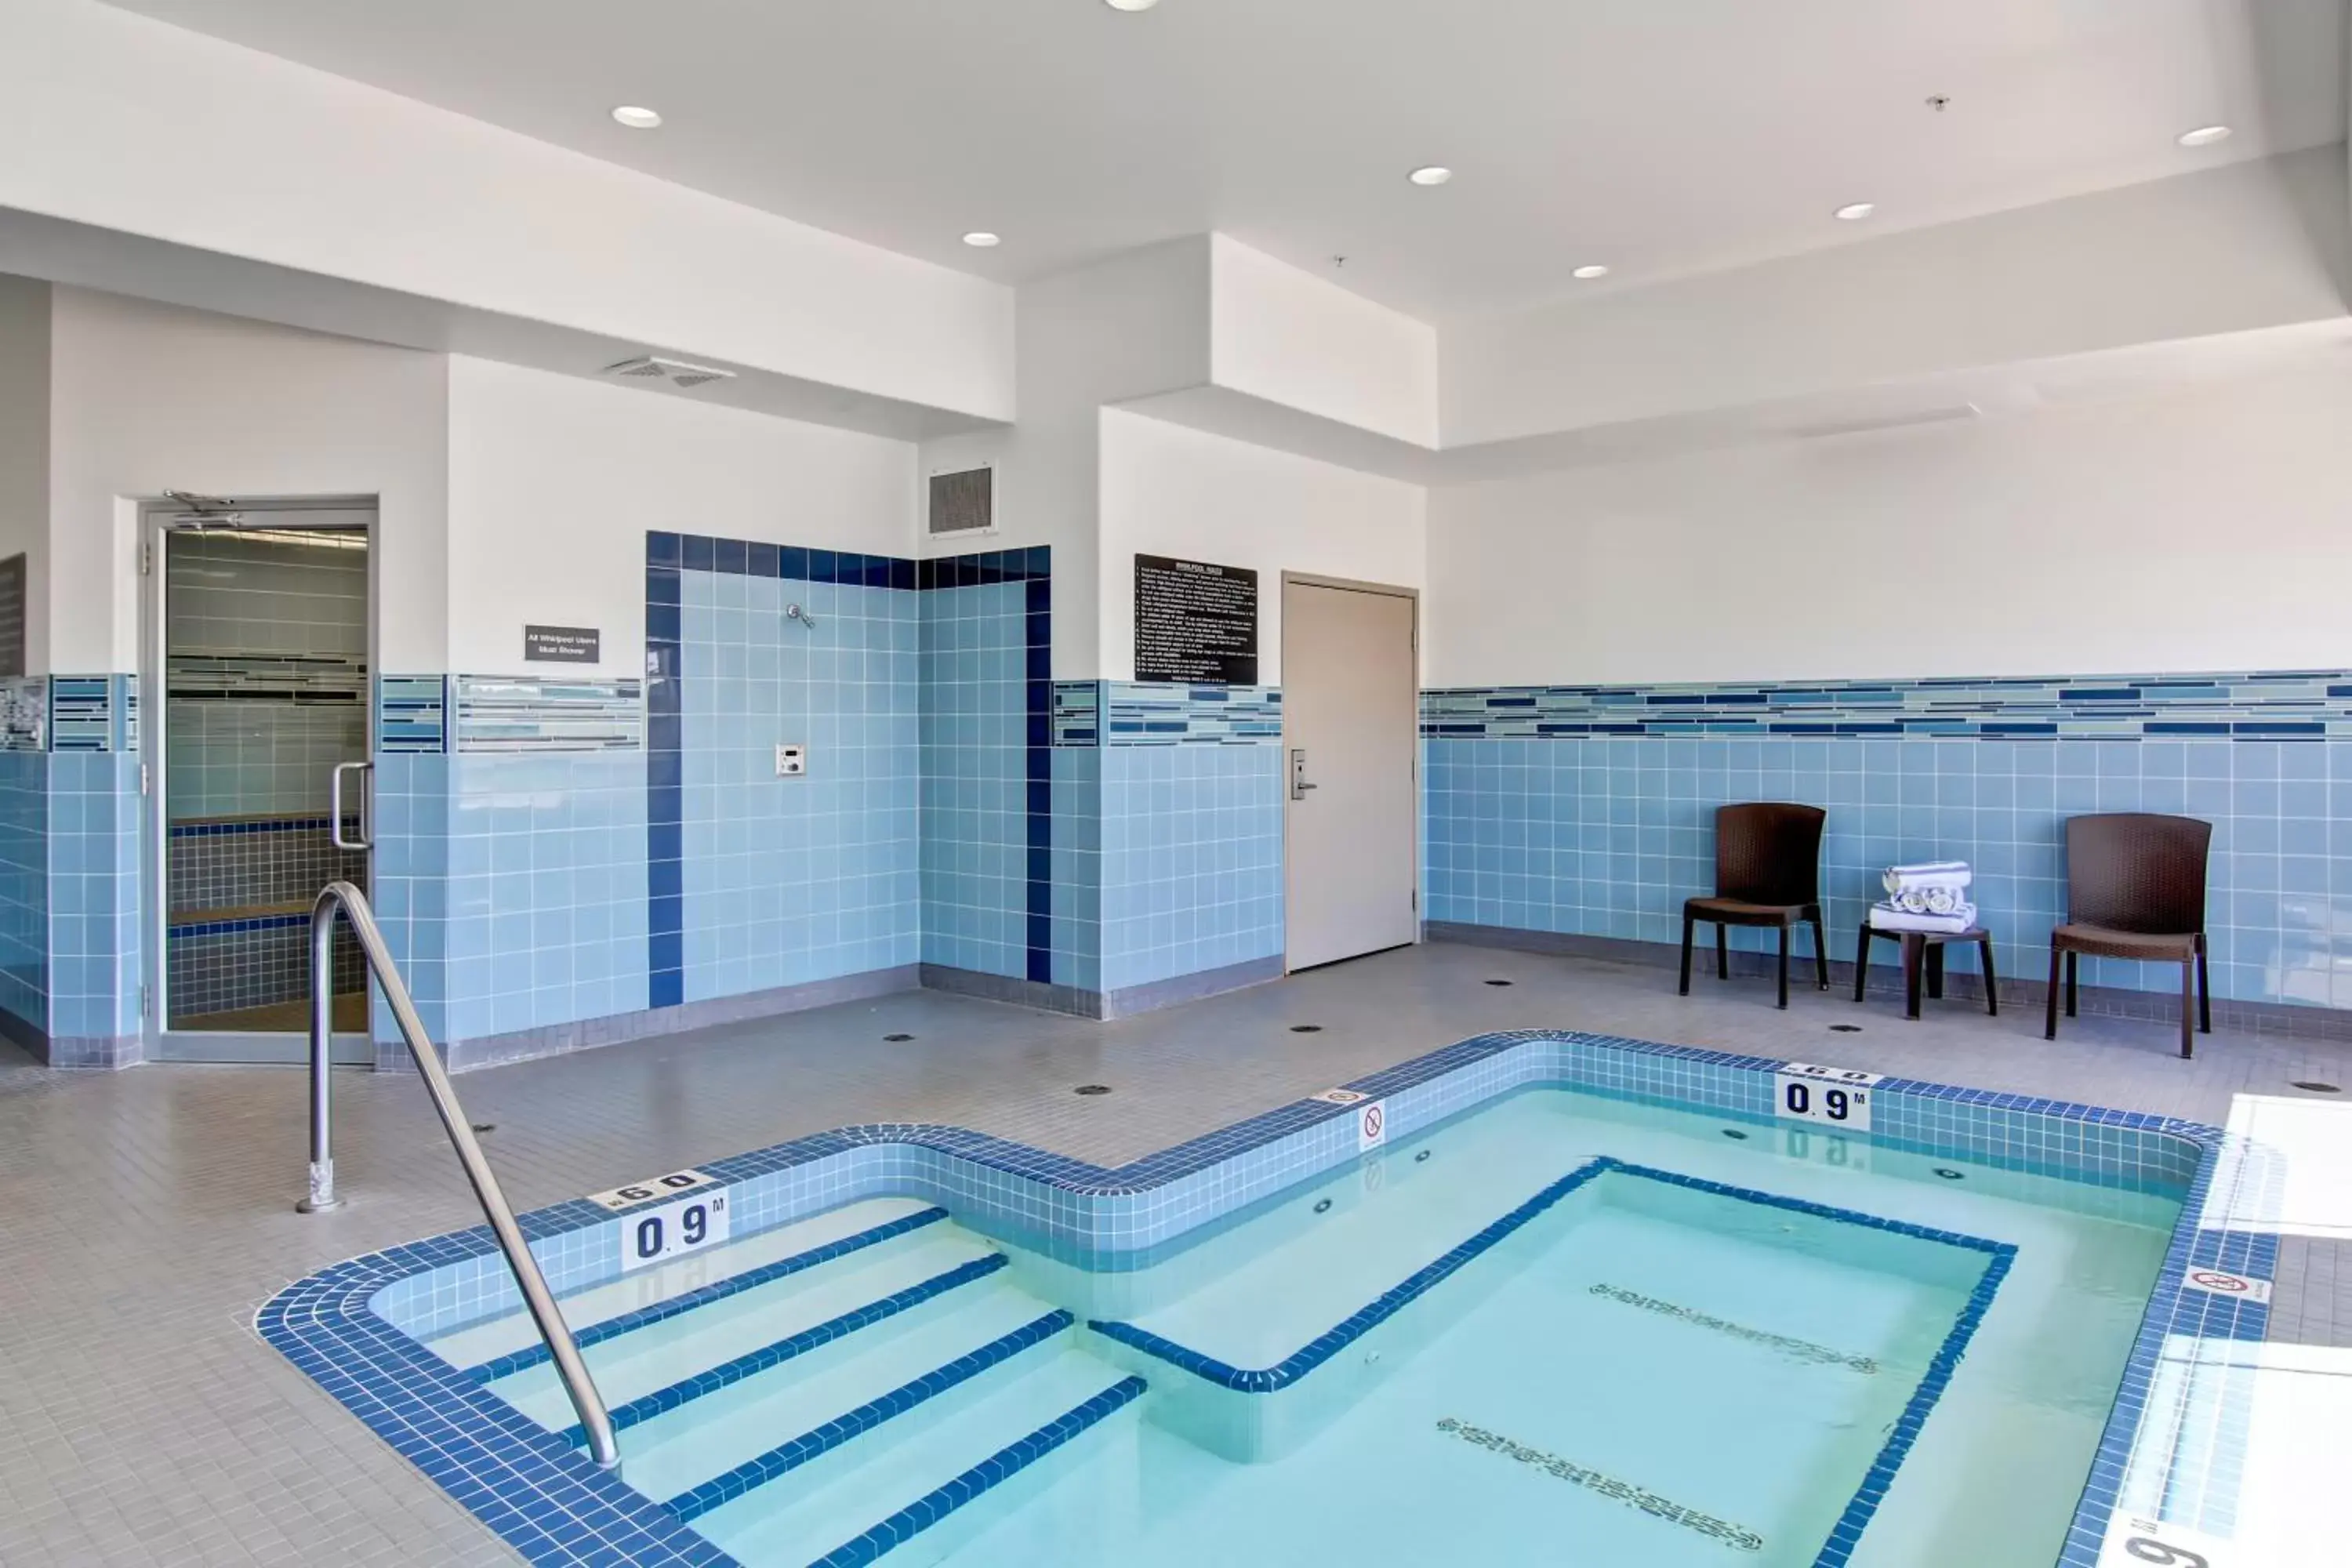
1929,896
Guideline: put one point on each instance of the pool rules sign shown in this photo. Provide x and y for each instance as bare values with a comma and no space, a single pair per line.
1195,621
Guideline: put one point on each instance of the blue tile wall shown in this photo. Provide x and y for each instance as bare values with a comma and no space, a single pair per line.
788,881
94,942
545,920
411,892
1076,928
1191,859
25,887
976,844
1605,836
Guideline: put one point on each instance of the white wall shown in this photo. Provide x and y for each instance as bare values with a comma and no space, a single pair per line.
2205,530
130,124
24,451
1129,327
555,481
1170,490
2248,246
1286,335
149,397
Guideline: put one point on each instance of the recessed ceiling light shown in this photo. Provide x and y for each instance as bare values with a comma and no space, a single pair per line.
1431,174
1590,272
638,118
1854,212
981,239
1130,4
2203,136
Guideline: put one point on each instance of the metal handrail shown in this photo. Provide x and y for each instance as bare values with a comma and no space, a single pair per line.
585,1401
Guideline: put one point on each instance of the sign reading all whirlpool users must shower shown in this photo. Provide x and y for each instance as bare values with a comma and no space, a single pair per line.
563,645
1195,621
1839,1097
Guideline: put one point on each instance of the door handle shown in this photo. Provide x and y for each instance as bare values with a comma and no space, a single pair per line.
1298,784
335,806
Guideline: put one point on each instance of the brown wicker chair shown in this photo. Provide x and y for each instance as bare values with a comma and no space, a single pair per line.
1767,872
2136,889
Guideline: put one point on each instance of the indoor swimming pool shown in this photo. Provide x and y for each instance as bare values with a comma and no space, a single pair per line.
1534,1298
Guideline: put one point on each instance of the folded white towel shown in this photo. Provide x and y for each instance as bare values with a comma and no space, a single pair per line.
1926,874
1889,917
1928,900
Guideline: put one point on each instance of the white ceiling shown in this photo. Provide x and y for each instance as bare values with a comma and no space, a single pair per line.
1657,136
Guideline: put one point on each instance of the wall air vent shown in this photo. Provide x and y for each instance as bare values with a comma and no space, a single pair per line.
963,501
676,371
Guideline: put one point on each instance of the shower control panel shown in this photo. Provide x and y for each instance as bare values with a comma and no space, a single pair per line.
792,762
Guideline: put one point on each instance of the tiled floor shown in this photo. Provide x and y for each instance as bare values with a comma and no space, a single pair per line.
147,1213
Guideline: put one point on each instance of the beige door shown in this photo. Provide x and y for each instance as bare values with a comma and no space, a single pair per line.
1350,740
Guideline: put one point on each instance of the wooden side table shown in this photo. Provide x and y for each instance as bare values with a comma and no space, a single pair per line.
1925,949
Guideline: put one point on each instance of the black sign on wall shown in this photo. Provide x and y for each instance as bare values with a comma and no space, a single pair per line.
561,644
12,616
1195,622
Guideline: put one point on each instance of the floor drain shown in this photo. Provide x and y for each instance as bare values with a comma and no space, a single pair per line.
1947,1173
1498,982
485,1126
1845,1028
1306,1028
2313,1087
898,1039
1092,1089
1735,1132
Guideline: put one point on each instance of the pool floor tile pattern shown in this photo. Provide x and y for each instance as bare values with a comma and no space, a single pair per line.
142,1422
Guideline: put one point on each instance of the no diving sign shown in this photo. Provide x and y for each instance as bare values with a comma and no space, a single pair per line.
2220,1282
1372,1125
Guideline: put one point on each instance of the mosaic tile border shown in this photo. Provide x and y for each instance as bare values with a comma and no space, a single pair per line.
412,715
2261,705
81,713
1154,713
25,713
540,715
351,1327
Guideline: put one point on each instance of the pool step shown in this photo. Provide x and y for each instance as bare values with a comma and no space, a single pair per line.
895,1481
790,1415
510,1343
706,1348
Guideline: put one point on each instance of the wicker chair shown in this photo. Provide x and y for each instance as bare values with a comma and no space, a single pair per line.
1767,872
2136,889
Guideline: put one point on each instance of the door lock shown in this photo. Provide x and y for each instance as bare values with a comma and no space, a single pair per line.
1298,784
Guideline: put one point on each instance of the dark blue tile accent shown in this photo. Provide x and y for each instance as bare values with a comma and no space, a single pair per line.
731,555
1847,1534
763,560
753,1362
665,784
786,1458
661,585
233,928
662,549
792,563
235,829
702,553
999,1467
717,1290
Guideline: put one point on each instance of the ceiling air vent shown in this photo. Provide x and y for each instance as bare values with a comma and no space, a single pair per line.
676,371
963,502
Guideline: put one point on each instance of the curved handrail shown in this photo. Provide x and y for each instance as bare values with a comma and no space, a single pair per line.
569,1366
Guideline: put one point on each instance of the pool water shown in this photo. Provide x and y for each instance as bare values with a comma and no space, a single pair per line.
1558,1329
